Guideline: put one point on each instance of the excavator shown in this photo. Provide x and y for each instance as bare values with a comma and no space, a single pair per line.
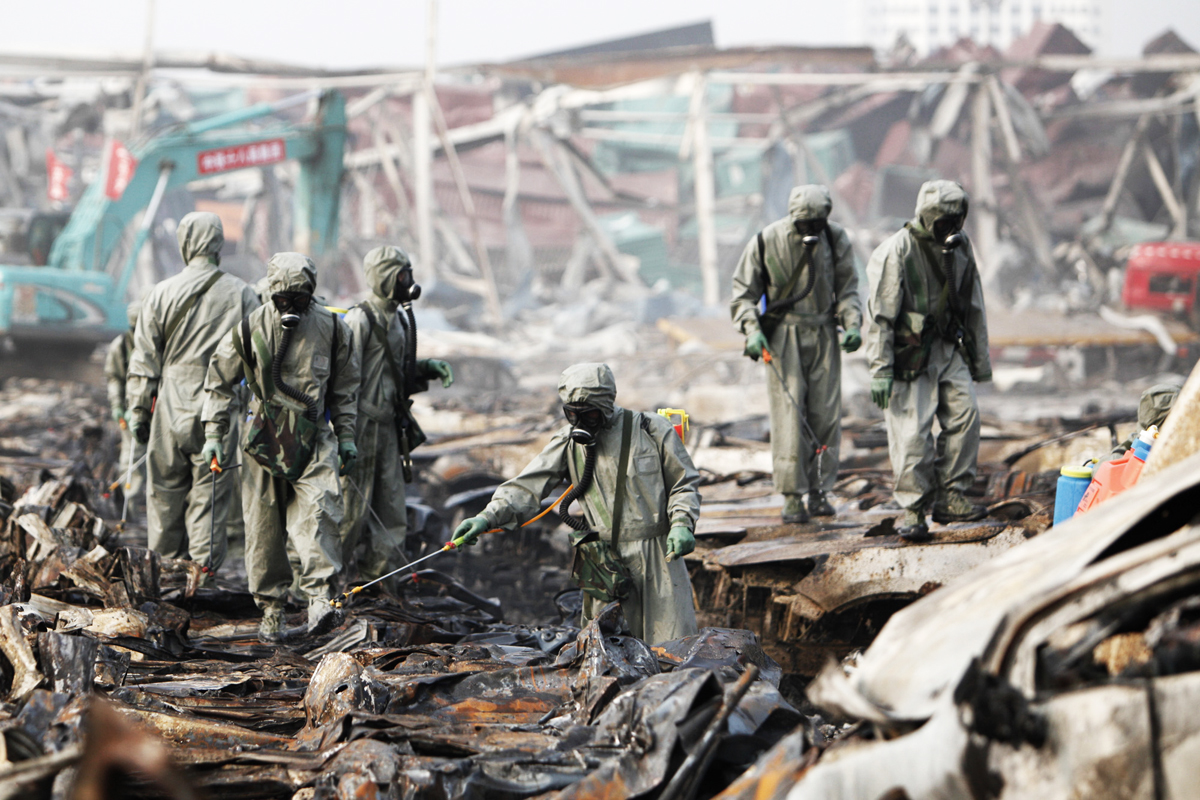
53,315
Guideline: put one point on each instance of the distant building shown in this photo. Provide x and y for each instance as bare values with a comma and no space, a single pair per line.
930,24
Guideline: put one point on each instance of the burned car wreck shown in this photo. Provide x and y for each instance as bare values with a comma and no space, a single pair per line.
1067,667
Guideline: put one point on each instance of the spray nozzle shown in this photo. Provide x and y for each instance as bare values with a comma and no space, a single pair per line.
810,241
289,321
953,241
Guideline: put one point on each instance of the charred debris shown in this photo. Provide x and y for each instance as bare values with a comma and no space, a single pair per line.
476,681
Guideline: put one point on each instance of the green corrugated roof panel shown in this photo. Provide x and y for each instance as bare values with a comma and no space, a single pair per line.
634,237
617,157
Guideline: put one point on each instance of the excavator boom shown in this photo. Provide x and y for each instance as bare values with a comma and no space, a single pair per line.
78,300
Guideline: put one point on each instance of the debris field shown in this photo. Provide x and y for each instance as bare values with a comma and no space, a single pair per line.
476,681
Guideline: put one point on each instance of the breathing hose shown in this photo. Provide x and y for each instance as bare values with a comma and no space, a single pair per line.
585,482
951,244
948,275
785,302
290,321
410,351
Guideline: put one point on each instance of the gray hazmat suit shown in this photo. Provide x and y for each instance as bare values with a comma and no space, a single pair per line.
1153,407
305,512
378,473
661,491
180,497
804,345
116,372
933,345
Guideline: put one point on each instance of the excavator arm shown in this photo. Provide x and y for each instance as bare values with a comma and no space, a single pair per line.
79,299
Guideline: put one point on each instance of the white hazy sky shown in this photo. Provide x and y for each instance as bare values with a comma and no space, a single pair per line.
350,33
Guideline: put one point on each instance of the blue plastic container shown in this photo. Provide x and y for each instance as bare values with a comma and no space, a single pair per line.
1072,483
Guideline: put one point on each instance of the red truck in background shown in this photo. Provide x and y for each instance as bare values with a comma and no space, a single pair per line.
1162,276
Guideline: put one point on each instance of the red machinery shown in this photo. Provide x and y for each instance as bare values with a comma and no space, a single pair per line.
1161,276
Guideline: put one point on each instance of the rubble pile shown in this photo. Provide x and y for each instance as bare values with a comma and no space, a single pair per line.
428,695
476,680
58,426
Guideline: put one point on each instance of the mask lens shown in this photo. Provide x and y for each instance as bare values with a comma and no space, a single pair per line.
291,301
809,227
583,417
947,225
405,289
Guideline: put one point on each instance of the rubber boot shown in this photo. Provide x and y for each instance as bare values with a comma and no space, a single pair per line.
913,527
270,628
819,506
322,617
794,512
952,506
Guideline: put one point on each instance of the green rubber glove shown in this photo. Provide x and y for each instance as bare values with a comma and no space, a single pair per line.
881,391
118,414
680,542
347,455
755,344
212,449
469,529
443,371
851,340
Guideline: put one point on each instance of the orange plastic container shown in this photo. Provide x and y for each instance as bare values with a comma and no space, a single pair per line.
1114,477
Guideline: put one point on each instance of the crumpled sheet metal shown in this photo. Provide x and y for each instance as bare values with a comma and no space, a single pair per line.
775,772
912,661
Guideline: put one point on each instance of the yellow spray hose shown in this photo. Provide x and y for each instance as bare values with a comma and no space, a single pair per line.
450,545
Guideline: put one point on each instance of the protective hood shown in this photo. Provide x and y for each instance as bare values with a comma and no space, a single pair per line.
1156,403
133,311
200,235
291,272
591,384
810,201
383,266
938,199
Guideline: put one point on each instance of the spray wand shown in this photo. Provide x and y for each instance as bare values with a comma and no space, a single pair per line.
819,449
453,544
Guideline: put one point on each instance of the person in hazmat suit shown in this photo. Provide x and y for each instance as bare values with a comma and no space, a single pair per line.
927,346
640,501
298,360
183,319
116,372
386,431
804,267
1153,407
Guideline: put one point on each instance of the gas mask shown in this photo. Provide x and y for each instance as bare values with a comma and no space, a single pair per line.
585,421
948,230
290,306
809,230
406,289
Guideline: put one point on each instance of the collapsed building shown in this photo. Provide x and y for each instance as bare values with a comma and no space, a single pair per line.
643,166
